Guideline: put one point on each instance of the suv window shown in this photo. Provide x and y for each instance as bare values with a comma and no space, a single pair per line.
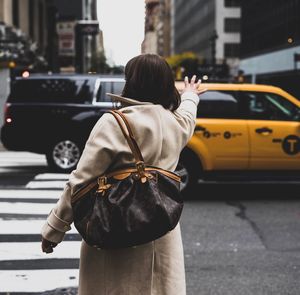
112,87
270,106
52,90
219,104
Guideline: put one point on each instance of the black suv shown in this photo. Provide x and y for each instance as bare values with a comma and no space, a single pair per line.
54,114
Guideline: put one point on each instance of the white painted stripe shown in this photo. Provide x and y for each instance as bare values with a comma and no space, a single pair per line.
16,227
25,208
50,176
46,184
30,194
32,250
37,280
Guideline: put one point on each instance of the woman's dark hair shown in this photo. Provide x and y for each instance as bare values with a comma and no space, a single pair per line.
150,78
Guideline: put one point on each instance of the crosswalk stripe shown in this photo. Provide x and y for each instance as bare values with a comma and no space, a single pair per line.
37,280
24,268
25,208
49,176
46,184
29,194
16,227
29,251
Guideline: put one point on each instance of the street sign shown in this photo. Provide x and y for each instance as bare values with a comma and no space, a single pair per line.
66,38
87,27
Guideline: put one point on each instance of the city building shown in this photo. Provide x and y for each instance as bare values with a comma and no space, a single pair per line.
157,27
270,44
209,28
49,26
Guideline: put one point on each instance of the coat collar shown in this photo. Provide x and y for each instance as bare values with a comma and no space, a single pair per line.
127,100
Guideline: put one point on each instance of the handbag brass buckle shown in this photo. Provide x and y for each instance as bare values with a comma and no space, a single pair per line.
140,167
103,185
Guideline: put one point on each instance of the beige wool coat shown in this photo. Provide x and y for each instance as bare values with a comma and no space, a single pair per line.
155,268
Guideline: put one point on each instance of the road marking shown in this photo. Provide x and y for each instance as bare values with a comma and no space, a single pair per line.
49,176
25,208
29,194
32,250
16,227
46,184
37,280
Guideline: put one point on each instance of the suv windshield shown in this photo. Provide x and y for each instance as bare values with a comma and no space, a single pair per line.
52,90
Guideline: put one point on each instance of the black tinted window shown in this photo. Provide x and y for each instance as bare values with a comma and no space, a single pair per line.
111,87
52,90
219,104
117,87
270,106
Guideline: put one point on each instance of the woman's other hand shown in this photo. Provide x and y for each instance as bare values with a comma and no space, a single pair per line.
192,86
48,246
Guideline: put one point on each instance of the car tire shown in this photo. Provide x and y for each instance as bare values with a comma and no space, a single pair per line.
190,170
63,155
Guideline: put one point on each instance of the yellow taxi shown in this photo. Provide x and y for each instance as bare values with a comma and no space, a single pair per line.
242,128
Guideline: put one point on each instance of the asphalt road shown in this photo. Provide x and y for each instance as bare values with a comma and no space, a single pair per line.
238,238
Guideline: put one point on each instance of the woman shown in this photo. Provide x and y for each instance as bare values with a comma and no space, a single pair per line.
162,123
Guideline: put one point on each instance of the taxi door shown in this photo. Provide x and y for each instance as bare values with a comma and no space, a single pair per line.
274,127
221,131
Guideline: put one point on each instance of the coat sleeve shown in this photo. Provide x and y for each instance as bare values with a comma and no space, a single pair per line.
186,115
98,154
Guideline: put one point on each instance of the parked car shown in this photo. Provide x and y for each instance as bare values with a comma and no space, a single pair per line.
240,128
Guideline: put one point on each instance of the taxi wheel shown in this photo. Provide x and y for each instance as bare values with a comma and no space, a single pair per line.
190,170
63,156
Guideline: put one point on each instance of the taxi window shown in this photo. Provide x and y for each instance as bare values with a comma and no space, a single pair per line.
219,104
270,106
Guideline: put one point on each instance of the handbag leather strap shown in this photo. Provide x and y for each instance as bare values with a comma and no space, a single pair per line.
128,134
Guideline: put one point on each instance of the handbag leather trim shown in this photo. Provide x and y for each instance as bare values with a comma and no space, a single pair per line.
140,169
117,174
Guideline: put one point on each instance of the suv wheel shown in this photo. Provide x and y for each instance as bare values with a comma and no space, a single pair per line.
64,156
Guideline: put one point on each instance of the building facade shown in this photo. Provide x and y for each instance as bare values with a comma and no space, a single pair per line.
50,26
270,45
209,28
157,27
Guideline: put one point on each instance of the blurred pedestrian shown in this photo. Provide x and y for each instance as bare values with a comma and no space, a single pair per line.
162,122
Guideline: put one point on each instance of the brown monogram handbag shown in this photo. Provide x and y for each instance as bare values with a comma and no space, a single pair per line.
128,207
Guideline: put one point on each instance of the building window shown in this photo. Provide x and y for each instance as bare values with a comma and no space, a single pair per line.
231,49
232,3
232,25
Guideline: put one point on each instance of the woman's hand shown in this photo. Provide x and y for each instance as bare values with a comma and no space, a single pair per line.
48,246
192,86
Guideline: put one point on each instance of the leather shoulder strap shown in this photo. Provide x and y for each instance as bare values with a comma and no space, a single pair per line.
128,134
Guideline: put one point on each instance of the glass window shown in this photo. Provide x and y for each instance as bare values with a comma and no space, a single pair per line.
270,106
231,49
219,104
232,25
117,87
52,90
232,3
103,89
